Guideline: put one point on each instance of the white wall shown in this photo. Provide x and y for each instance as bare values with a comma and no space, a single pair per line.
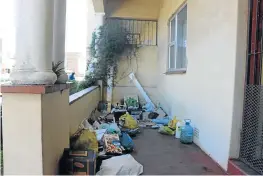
205,93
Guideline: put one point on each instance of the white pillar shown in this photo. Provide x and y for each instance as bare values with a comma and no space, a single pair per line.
59,38
34,42
99,19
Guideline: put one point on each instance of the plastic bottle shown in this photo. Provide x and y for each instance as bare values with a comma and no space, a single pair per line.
178,130
187,133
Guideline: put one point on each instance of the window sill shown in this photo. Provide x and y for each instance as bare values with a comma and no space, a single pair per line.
177,71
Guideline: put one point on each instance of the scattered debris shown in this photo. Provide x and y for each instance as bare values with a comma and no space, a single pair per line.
145,96
75,162
148,107
161,113
136,114
166,130
100,133
146,123
172,123
112,144
110,134
111,128
120,165
145,115
96,125
127,121
84,139
131,102
153,115
156,126
162,121
126,142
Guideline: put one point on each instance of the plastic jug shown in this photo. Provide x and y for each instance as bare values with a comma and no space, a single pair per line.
187,133
179,125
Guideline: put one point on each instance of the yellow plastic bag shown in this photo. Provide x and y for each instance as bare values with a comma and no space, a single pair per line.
86,140
129,121
172,123
166,130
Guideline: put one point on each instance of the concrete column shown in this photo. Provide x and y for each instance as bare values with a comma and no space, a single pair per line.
59,34
99,19
34,42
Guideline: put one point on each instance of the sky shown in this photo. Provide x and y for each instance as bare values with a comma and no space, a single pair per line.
76,27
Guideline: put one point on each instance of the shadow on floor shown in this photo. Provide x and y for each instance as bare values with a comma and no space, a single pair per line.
164,155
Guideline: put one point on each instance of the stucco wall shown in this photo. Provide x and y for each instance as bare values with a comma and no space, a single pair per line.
22,128
36,132
82,108
55,129
145,69
205,94
136,9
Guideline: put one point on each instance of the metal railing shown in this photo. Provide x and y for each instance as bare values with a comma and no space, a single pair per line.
141,32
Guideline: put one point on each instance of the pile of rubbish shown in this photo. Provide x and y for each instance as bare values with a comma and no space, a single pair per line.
110,135
158,119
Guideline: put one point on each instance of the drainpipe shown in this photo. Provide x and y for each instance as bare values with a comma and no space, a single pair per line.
109,90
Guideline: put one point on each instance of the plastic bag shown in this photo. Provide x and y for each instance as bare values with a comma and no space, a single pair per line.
148,107
172,123
120,165
129,121
111,128
166,130
131,132
85,140
126,142
163,121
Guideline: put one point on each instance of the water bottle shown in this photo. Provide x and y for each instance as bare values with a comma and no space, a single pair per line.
187,133
178,130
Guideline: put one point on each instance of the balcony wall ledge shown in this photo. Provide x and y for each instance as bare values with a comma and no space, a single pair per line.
33,89
76,96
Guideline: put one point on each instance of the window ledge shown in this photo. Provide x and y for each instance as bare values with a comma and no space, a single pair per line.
177,71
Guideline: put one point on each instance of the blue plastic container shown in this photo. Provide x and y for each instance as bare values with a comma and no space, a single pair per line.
187,133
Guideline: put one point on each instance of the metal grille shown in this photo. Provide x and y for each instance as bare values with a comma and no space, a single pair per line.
141,32
251,148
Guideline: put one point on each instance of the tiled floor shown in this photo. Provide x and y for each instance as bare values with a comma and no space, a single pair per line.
164,155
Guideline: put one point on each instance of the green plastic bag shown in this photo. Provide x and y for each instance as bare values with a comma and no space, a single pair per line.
166,130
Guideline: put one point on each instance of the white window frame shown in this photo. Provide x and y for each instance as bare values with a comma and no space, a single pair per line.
174,43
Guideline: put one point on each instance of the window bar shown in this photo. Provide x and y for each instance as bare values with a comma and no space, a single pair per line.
253,42
143,34
138,31
152,34
260,15
156,35
133,31
148,34
176,42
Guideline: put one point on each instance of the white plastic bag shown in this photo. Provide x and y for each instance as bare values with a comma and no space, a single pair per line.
120,165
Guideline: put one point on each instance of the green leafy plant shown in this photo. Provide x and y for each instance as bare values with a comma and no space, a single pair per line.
110,43
57,69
